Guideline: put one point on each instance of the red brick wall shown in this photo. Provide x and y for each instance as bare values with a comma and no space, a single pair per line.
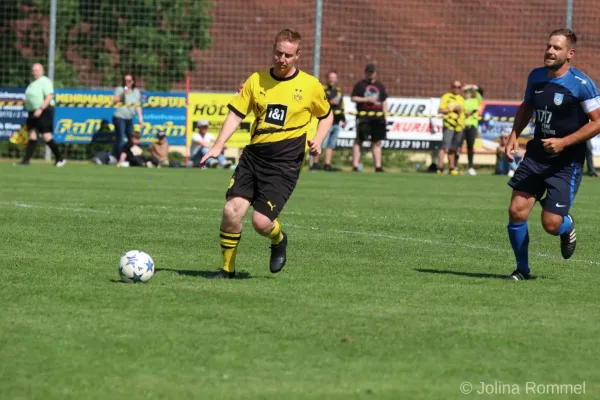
419,46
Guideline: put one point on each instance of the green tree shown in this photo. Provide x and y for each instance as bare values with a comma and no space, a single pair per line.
99,40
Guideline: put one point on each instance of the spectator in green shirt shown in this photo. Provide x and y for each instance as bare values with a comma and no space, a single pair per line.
473,100
39,103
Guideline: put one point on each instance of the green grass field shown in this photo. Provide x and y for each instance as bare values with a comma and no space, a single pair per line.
391,290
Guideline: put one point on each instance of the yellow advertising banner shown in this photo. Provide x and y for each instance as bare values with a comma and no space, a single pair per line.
213,108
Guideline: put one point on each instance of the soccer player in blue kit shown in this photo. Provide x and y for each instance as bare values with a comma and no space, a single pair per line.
566,105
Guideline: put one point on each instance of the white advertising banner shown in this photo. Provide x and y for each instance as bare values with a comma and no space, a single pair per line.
411,131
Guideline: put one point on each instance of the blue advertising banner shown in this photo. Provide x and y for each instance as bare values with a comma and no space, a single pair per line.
498,116
80,114
12,111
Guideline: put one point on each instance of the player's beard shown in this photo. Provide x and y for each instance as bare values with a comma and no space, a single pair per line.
557,64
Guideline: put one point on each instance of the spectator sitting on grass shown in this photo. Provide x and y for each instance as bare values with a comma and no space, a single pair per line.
160,151
503,166
101,145
132,153
202,141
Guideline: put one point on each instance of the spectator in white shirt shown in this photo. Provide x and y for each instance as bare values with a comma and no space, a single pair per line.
202,141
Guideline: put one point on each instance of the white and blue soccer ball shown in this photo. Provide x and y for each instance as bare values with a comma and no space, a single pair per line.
136,266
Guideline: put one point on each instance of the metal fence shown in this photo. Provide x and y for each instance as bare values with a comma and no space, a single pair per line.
418,46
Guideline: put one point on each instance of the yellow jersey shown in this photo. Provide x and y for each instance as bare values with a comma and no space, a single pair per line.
452,120
283,110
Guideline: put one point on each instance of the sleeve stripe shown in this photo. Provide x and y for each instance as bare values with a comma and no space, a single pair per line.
591,104
326,115
236,111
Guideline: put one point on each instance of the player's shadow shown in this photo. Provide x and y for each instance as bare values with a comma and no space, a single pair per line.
460,273
203,274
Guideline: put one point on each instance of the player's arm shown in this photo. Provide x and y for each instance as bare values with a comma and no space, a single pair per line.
323,128
590,103
522,118
231,123
239,106
588,131
524,112
321,109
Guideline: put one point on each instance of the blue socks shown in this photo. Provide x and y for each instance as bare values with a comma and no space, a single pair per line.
566,226
519,239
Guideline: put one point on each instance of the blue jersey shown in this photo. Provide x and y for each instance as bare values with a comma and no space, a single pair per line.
561,106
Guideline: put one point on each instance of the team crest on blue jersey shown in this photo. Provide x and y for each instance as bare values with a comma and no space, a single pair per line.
558,98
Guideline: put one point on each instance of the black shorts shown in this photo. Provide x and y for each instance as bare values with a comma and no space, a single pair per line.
559,182
43,124
373,130
267,189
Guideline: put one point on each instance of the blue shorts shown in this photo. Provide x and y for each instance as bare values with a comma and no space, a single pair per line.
330,141
559,182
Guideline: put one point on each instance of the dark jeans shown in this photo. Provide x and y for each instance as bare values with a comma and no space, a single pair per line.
470,134
589,157
123,128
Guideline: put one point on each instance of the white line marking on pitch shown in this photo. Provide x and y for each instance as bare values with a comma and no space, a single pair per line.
332,230
47,207
437,243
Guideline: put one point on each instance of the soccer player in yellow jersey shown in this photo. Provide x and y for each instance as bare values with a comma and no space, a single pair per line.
284,101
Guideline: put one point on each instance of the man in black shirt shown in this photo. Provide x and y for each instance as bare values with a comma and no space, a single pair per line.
371,105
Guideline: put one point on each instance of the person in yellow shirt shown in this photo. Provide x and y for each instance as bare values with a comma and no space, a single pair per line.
284,101
452,106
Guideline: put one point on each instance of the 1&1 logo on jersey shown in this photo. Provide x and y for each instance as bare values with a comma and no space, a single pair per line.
275,114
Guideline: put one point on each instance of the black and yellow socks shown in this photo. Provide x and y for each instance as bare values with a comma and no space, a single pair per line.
229,243
276,236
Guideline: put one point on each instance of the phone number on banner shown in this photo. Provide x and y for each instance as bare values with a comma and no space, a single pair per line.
395,144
